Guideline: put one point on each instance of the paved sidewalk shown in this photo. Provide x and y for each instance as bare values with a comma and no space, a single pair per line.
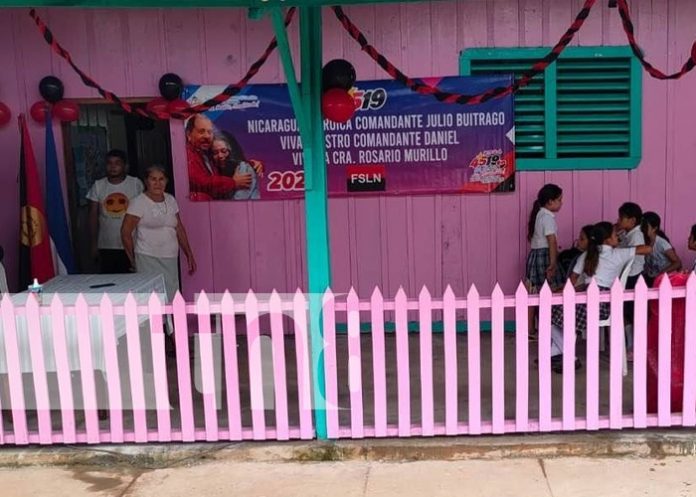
561,477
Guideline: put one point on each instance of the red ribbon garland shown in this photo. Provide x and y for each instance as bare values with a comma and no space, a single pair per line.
458,98
221,97
653,71
538,67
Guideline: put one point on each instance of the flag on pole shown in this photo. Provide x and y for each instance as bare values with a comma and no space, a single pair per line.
58,229
35,260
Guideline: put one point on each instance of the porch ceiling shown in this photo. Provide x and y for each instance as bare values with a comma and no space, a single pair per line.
182,3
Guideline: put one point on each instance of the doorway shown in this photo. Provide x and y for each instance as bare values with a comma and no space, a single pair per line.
103,127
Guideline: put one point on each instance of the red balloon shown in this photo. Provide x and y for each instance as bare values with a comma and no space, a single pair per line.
159,106
66,111
337,105
38,111
177,106
5,114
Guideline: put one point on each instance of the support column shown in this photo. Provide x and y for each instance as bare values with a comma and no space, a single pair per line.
316,206
306,100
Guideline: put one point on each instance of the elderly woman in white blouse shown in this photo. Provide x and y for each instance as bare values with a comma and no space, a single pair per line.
159,232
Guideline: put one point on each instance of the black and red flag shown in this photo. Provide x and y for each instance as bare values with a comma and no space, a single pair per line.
35,258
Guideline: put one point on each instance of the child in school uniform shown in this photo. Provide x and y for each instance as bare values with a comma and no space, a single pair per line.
631,235
692,244
664,258
602,261
569,257
542,260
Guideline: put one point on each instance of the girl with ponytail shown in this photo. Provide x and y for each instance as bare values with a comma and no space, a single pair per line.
604,262
542,261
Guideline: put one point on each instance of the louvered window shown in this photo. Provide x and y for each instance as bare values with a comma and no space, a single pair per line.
583,112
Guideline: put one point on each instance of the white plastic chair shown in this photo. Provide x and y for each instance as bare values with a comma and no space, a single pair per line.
3,280
606,323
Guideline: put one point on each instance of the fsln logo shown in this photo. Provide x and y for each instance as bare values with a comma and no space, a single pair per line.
362,178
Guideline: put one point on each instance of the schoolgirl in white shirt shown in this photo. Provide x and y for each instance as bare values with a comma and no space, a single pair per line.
542,260
604,262
664,258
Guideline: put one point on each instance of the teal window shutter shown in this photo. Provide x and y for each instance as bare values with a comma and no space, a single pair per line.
583,112
530,136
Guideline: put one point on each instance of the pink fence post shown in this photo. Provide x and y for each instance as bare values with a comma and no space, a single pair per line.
522,359
258,416
378,362
65,390
183,369
545,358
449,315
229,347
569,357
159,369
592,386
616,343
43,405
89,394
498,358
207,367
14,371
664,355
113,371
354,366
640,347
304,379
279,381
402,364
330,368
425,335
135,368
473,361
689,409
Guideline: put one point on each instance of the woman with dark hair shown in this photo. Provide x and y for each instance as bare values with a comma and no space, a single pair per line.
159,232
228,158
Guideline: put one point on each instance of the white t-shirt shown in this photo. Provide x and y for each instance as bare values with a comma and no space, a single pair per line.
611,262
544,225
156,231
656,262
113,200
634,238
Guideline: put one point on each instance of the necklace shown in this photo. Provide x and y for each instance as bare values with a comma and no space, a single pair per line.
159,208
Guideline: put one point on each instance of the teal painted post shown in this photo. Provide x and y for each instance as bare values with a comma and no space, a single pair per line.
316,206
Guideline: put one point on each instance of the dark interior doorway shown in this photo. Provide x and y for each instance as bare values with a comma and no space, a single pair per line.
103,127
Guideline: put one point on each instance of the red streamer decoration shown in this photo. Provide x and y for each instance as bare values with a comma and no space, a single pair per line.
653,71
458,98
224,95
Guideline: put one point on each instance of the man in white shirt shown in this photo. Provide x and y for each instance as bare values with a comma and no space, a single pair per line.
109,198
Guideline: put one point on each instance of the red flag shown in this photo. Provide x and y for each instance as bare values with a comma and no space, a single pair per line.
35,259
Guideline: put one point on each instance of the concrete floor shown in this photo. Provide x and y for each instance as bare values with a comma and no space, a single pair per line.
344,397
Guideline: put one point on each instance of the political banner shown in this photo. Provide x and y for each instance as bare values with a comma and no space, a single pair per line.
397,143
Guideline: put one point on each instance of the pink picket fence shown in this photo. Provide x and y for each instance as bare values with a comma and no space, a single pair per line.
241,368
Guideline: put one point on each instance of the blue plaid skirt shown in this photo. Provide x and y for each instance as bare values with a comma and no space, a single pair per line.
538,261
580,314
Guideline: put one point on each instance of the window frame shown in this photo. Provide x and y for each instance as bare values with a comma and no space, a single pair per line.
550,162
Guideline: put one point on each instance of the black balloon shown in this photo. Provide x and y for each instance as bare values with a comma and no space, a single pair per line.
170,86
338,73
51,89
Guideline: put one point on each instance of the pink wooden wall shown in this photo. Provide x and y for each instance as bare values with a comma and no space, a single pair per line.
406,241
